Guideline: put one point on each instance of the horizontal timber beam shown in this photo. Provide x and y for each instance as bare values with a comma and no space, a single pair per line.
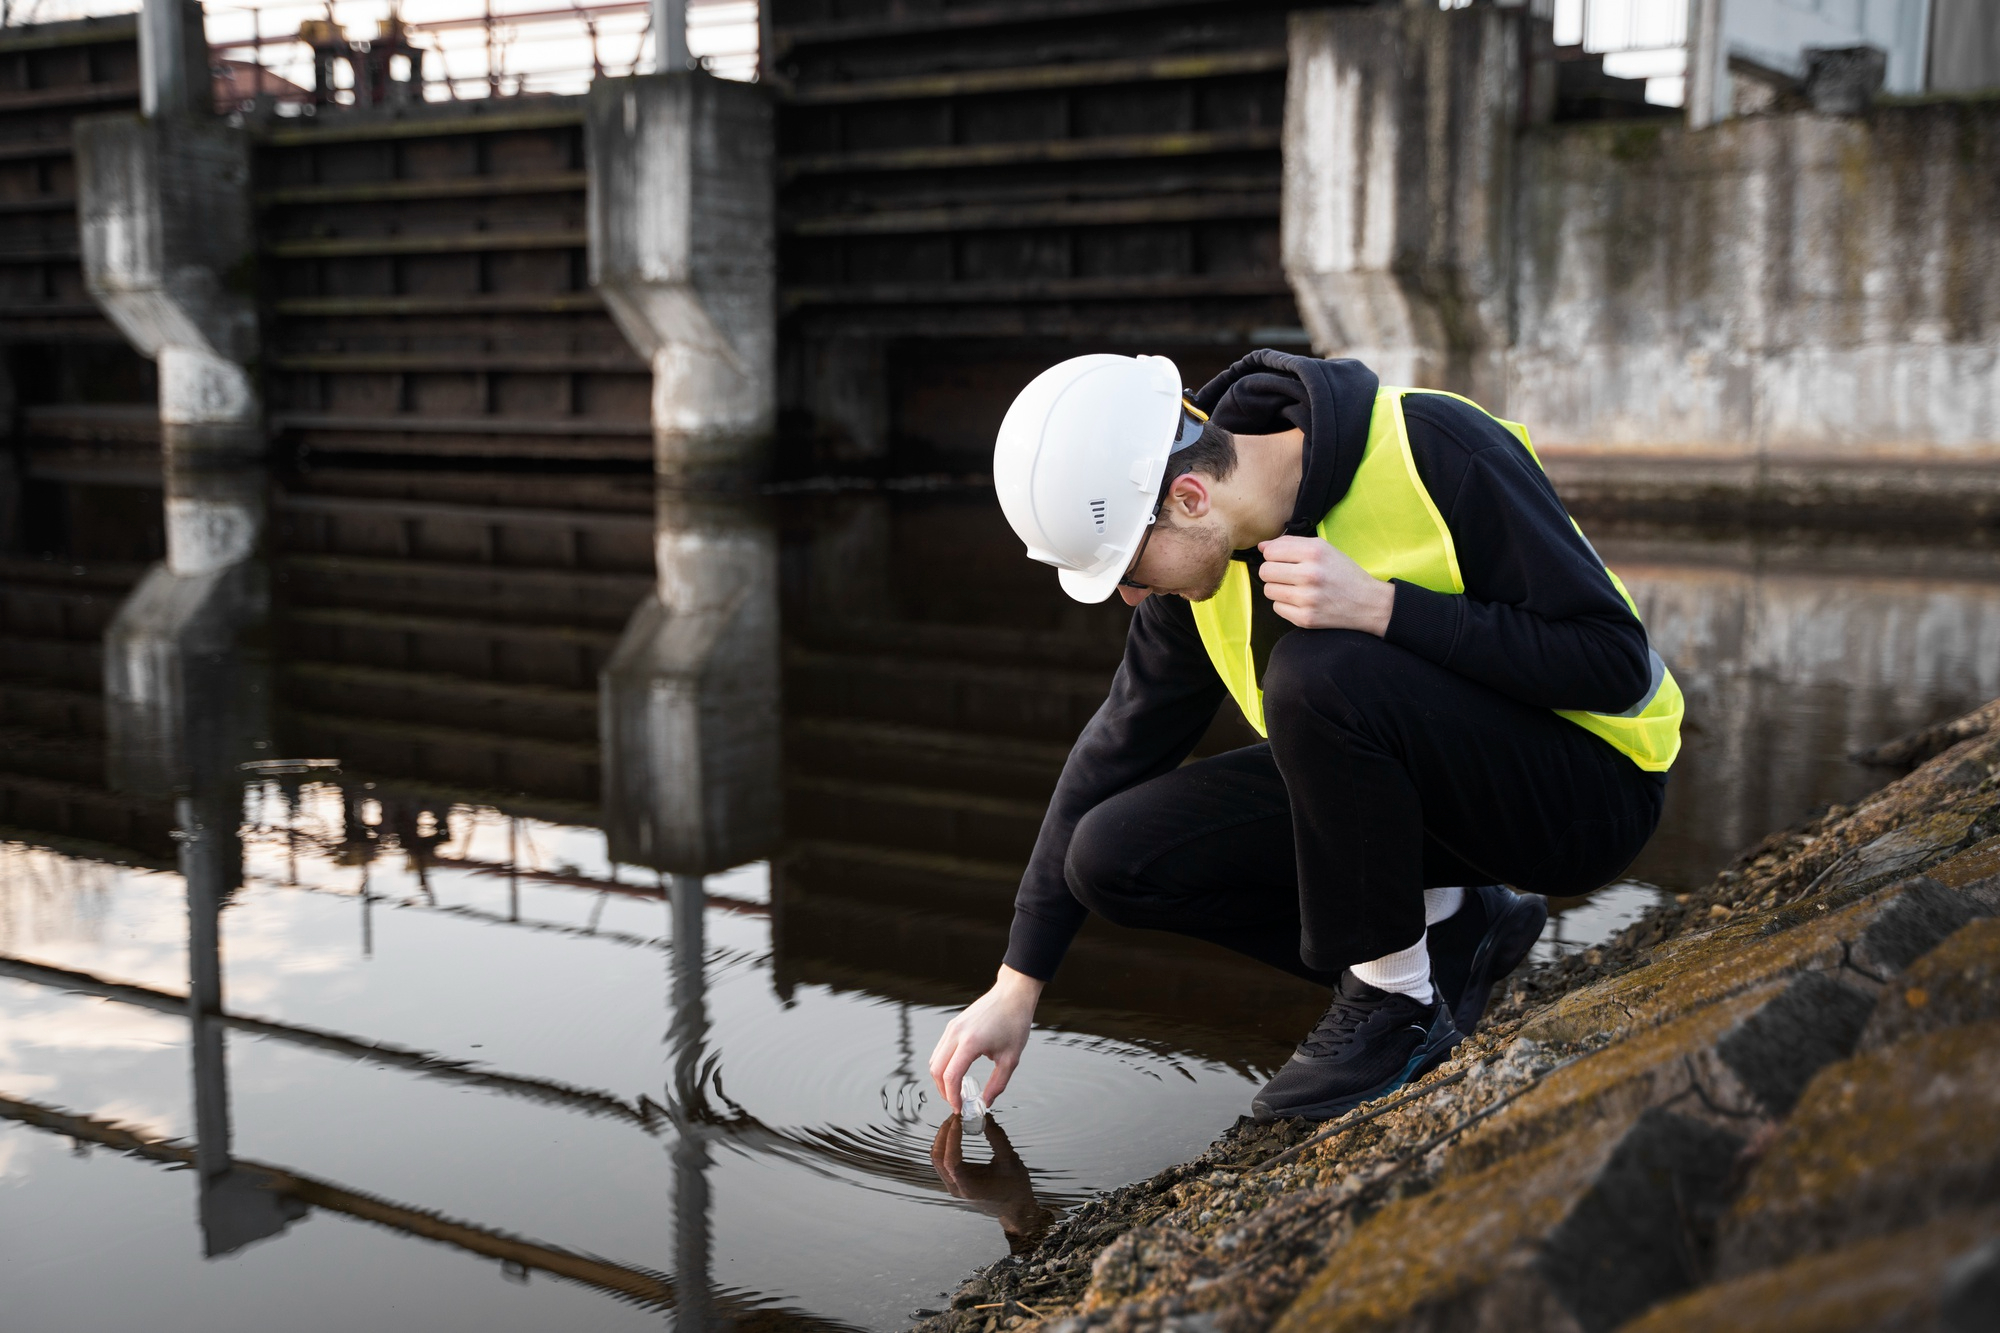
469,242
450,187
1192,143
428,363
1046,289
340,130
79,94
35,148
51,204
1079,74
493,425
994,217
554,303
796,36
82,32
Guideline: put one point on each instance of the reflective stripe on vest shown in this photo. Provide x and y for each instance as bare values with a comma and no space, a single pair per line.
1388,523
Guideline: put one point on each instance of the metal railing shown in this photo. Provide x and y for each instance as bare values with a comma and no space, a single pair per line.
301,54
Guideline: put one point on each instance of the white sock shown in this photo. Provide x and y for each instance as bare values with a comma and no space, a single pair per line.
1405,972
1442,904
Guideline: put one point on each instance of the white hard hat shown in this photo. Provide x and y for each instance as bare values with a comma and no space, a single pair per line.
1079,462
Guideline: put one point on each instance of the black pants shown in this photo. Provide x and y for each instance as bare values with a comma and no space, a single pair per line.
1384,775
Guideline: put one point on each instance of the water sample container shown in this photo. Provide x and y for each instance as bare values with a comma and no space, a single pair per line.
972,1103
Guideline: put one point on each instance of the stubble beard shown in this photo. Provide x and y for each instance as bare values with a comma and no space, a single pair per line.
1215,552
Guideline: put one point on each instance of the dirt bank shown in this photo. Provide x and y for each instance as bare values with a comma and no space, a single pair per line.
1770,1103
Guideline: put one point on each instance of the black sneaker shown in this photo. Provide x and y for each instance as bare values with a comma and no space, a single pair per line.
1479,944
1370,1042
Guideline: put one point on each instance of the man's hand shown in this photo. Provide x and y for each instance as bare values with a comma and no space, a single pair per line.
996,1026
1315,585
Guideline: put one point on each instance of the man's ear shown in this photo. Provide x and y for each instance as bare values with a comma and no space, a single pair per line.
1189,495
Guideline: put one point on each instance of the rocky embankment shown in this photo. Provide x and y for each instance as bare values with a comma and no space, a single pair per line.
1772,1104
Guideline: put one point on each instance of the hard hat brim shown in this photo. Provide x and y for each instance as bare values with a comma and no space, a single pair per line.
1090,588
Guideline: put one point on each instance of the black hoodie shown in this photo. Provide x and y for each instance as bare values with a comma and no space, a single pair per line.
1539,621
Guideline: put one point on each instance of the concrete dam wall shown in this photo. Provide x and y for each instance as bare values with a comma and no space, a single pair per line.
1797,304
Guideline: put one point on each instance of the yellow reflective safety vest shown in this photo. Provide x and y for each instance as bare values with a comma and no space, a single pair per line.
1388,523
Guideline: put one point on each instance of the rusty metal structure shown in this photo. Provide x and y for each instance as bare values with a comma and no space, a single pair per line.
971,191
462,514
81,474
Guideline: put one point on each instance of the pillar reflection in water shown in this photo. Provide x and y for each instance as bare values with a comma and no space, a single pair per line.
688,709
237,1204
192,708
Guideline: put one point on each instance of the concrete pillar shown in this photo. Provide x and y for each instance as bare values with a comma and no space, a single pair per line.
1399,142
682,248
689,700
1708,93
1964,46
670,36
164,211
173,60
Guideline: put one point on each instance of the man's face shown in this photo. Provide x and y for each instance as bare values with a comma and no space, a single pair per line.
1185,557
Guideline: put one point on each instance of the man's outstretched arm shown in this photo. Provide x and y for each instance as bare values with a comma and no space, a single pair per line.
1162,699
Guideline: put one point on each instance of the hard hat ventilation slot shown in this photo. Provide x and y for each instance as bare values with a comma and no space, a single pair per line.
1097,512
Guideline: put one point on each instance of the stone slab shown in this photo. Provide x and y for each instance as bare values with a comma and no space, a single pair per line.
1741,1060
1870,939
1956,983
1883,1141
1579,1234
1919,1281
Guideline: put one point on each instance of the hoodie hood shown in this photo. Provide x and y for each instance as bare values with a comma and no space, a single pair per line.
1330,401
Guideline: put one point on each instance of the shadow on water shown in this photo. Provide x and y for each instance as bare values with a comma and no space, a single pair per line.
575,880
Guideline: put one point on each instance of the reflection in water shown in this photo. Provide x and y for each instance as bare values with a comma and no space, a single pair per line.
1792,658
1003,1187
238,1205
425,990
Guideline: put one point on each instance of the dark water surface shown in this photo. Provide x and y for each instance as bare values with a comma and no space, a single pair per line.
519,1084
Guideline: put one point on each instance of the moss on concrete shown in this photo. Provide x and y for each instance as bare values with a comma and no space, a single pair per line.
1882,1141
1818,933
1977,862
1891,1284
1613,1085
1955,984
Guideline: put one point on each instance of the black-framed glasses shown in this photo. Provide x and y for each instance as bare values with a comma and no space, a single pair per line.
1128,581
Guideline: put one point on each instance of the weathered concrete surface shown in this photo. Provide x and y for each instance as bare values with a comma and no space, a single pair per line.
1956,983
1577,1178
1579,1234
1878,1143
683,250
1776,285
1774,309
1916,1281
1401,135
1862,941
1734,1064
